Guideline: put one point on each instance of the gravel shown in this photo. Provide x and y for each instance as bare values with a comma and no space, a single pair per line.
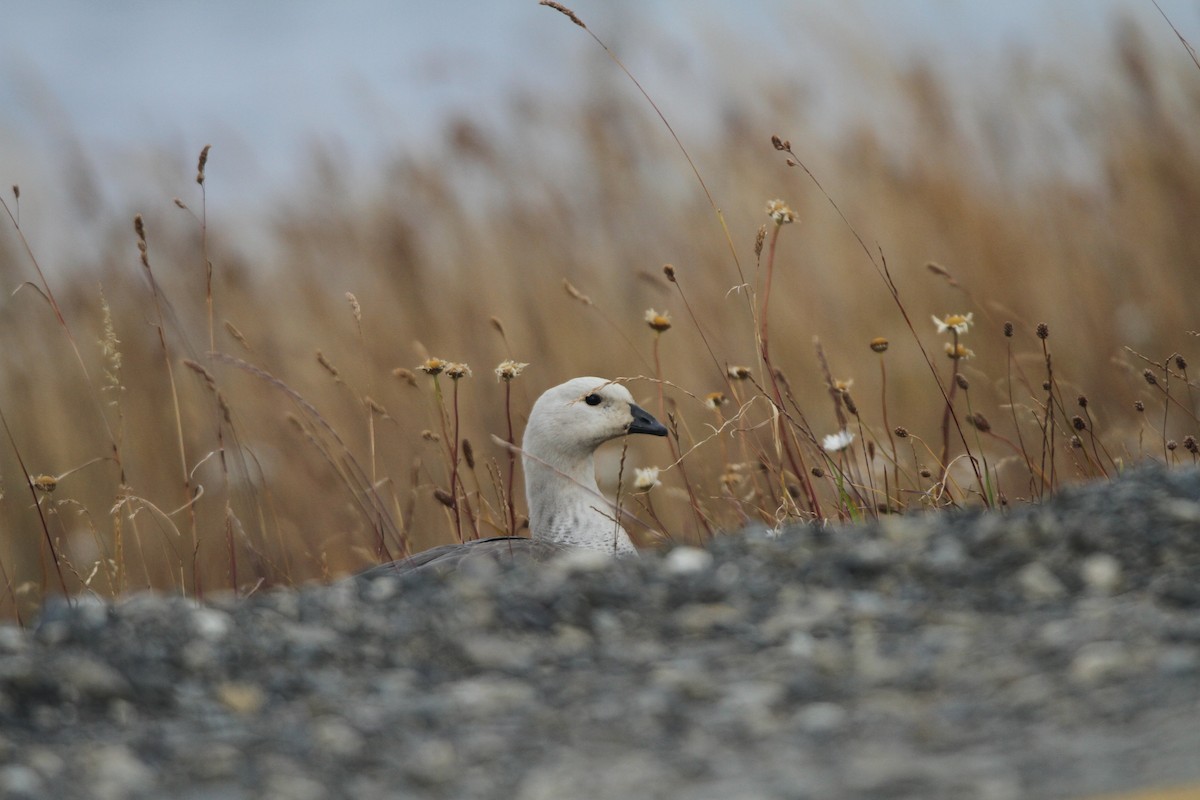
1049,651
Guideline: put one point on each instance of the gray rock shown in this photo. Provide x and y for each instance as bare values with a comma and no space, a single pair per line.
1047,651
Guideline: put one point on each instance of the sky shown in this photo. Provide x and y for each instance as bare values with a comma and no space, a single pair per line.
130,86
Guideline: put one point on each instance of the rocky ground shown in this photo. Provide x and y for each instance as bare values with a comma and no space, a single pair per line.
1048,652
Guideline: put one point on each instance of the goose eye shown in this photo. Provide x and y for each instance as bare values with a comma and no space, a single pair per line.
592,399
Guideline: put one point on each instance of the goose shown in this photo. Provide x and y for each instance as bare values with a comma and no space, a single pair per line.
566,509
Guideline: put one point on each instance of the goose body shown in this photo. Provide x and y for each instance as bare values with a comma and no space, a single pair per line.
566,508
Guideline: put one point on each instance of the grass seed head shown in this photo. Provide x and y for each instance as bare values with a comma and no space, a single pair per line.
238,336
851,406
405,375
575,293
759,239
327,364
201,163
560,8
962,382
980,422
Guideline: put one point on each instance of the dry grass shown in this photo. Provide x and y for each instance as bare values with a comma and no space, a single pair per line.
205,418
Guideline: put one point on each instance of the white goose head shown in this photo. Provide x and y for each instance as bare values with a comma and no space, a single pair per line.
566,425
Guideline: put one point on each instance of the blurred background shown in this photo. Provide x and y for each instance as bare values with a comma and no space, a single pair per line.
451,164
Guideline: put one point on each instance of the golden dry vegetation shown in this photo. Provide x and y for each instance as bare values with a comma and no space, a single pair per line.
271,426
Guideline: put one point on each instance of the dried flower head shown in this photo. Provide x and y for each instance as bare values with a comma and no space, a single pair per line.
456,371
1077,422
45,483
669,271
646,478
507,370
1077,443
1150,377
1180,363
1008,330
780,212
837,441
1083,401
715,400
1189,444
738,373
1138,405
962,382
902,432
433,366
959,323
879,344
1043,330
658,320
959,352
1171,445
